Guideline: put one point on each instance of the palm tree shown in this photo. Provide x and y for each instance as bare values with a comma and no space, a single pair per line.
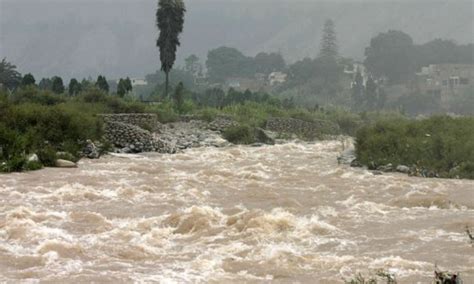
9,77
170,21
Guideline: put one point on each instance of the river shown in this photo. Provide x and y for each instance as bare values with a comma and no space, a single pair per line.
284,213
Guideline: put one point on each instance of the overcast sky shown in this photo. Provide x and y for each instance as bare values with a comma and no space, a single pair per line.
117,38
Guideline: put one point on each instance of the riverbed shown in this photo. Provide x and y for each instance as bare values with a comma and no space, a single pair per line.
283,213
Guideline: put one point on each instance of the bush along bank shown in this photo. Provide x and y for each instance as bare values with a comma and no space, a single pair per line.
439,146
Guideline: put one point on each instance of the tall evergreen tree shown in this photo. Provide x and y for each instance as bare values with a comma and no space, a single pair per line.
74,87
170,21
57,85
128,85
121,89
28,80
329,41
102,83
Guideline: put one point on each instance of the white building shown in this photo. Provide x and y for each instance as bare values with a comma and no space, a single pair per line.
277,78
138,82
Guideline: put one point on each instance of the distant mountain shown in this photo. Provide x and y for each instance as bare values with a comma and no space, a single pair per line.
78,38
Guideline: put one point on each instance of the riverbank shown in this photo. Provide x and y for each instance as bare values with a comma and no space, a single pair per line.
440,146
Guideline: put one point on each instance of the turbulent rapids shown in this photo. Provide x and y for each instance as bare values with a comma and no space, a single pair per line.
284,213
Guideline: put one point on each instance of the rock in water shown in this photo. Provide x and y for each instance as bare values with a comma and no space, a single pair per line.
91,151
347,157
403,169
386,168
65,164
263,137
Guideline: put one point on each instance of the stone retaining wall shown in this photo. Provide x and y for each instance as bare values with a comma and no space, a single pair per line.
300,127
131,137
146,121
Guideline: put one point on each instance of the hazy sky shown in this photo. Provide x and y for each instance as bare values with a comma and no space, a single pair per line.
117,38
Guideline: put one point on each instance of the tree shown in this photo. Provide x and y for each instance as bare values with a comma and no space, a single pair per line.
227,62
371,93
358,91
57,85
267,63
124,87
28,80
128,85
74,87
102,83
192,64
170,21
178,97
392,55
45,84
9,77
329,41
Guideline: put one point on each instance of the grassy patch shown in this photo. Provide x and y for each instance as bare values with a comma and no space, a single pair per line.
441,144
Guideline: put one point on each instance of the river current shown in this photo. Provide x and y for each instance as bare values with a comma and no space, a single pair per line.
284,213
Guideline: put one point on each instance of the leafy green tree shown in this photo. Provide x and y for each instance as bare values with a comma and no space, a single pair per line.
74,87
329,41
192,64
121,90
170,21
128,85
45,84
441,51
86,83
102,83
9,77
267,63
226,62
28,80
178,97
57,85
212,97
391,54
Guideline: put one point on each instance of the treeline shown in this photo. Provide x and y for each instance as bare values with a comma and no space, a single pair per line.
394,55
11,79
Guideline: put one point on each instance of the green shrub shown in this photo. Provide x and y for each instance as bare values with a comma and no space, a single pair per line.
242,134
33,166
442,144
165,111
32,94
208,114
47,156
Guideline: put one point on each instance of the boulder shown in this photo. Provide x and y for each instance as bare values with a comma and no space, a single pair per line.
356,164
33,158
90,150
262,136
386,168
65,164
347,157
403,169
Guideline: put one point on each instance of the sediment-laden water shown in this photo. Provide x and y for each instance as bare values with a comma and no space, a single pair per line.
286,213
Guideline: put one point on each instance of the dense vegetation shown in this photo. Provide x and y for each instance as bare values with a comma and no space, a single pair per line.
441,144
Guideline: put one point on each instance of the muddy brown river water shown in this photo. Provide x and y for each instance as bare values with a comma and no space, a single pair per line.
285,213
